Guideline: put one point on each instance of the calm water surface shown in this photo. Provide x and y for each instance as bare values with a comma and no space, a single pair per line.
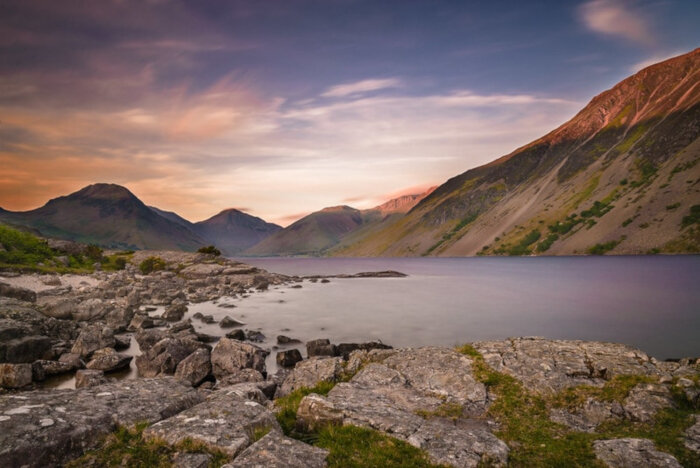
649,302
652,303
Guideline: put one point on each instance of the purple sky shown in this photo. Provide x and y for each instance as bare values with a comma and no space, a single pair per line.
284,107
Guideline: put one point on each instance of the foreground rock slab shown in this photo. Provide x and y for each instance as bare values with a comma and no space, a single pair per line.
48,428
394,395
226,421
633,453
277,451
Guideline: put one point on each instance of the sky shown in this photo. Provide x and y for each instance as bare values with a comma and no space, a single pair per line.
283,107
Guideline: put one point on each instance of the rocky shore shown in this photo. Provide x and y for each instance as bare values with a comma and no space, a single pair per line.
205,401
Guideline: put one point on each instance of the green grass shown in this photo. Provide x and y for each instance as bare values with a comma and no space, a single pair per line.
673,206
451,233
26,252
692,218
448,410
603,248
536,441
547,242
357,447
127,447
523,247
289,405
152,264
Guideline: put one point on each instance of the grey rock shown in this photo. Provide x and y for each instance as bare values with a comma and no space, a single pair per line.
148,338
18,293
237,334
225,421
141,322
15,375
72,360
122,342
230,356
549,366
240,376
275,450
89,378
195,367
175,312
191,460
43,368
108,360
288,358
285,340
632,453
255,336
25,349
645,400
320,347
48,428
589,416
59,307
692,436
92,338
308,373
228,322
344,349
164,357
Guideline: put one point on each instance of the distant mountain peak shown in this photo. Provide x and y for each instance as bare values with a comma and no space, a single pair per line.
337,209
104,191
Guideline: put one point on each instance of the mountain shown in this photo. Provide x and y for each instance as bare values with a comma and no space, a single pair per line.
108,215
111,216
322,230
233,231
622,176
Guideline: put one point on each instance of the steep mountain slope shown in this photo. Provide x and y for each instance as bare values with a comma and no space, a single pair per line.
314,234
622,176
172,216
233,231
109,215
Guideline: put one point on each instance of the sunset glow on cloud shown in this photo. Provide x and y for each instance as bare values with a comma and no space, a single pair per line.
285,109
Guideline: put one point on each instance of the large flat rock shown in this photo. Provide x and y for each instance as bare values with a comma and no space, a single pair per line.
552,365
633,453
391,397
277,451
48,428
226,421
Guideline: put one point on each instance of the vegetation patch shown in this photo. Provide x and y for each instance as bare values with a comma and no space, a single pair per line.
356,447
210,249
604,247
547,242
691,218
448,410
287,407
127,447
451,233
616,389
152,264
673,206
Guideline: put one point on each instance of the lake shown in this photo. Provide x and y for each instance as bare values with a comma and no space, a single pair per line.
650,302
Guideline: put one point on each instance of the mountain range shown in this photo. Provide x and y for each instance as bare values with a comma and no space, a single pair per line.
622,176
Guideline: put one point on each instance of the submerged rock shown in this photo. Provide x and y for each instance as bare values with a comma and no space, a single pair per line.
288,358
320,347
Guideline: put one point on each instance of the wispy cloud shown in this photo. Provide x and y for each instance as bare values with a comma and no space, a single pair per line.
363,86
617,18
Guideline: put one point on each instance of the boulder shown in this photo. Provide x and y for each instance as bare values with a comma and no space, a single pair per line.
50,427
645,400
240,376
692,436
230,356
191,460
25,349
320,347
255,336
92,338
308,373
228,322
164,357
632,453
344,349
89,378
59,307
195,367
225,422
108,360
148,338
237,334
122,342
18,293
174,312
15,375
275,450
72,360
288,358
285,340
43,368
140,322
